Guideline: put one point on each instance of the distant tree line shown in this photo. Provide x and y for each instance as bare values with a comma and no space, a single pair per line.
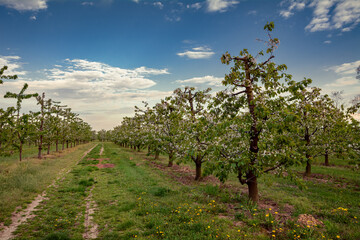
53,125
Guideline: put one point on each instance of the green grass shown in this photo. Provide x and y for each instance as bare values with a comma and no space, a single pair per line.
20,182
321,199
136,200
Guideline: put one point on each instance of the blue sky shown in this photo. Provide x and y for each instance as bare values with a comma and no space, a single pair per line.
102,57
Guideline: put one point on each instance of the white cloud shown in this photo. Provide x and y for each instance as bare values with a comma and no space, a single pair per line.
172,18
208,80
87,3
347,12
159,5
102,75
327,42
33,18
136,1
321,18
13,64
197,53
344,81
342,15
345,68
94,89
220,5
196,6
25,5
252,12
294,5
347,73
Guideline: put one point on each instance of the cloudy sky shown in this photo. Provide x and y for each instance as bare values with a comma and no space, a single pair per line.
102,57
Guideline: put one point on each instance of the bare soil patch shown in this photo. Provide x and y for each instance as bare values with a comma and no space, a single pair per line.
104,165
309,220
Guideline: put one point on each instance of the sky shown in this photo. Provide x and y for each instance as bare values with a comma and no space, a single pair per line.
103,57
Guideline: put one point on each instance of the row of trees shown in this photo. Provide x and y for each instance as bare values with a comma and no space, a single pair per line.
53,124
264,121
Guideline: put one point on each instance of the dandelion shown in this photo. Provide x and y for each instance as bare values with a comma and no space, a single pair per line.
337,236
273,235
276,212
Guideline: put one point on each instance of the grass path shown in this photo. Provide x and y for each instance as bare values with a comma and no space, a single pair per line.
20,217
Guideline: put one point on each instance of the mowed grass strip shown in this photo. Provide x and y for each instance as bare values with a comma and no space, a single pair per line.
134,201
21,182
62,213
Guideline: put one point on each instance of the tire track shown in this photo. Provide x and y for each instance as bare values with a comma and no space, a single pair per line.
21,217
91,228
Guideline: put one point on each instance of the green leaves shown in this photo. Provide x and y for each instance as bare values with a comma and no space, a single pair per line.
269,26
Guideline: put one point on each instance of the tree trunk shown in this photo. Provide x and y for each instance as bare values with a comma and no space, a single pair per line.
307,172
198,168
156,155
149,149
139,148
56,144
67,144
327,158
48,149
63,145
20,151
251,179
39,152
252,187
171,159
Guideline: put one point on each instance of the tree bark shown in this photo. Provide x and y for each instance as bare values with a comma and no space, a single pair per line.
48,149
39,151
327,158
171,159
251,179
198,168
307,172
156,155
252,187
20,151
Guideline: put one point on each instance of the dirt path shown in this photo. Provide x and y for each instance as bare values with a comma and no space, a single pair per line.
91,228
20,217
101,150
